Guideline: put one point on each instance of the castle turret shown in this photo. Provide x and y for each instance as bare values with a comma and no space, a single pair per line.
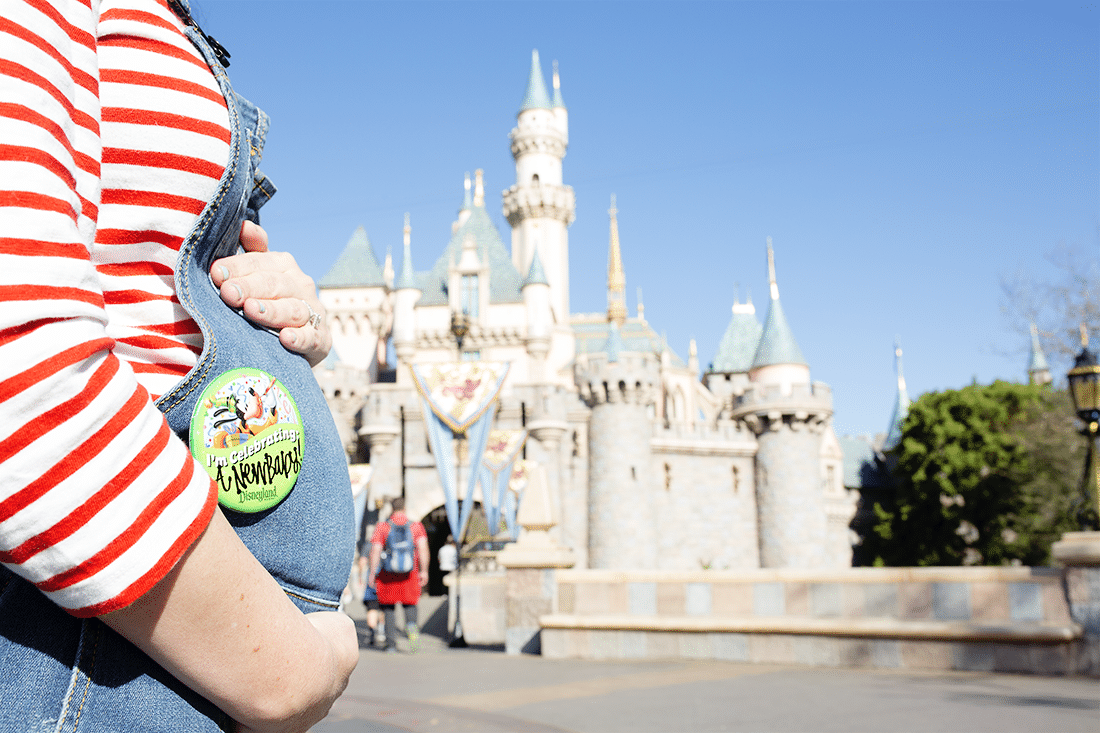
539,207
789,415
404,309
620,385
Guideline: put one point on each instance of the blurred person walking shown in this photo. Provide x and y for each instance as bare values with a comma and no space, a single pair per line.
398,570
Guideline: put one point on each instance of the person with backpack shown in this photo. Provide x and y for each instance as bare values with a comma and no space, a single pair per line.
398,570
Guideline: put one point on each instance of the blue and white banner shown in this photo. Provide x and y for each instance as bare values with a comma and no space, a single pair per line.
456,398
496,471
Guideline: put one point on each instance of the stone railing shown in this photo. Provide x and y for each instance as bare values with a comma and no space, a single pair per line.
1004,619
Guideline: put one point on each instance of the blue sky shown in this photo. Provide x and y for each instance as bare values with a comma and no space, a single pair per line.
905,157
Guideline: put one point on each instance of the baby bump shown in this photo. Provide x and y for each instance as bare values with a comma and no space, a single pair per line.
257,422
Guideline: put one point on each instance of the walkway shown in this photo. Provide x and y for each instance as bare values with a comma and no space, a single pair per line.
443,689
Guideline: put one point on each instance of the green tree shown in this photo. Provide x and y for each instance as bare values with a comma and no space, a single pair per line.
983,475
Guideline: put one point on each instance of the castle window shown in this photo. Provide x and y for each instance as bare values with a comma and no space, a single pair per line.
470,295
535,179
471,355
668,477
736,479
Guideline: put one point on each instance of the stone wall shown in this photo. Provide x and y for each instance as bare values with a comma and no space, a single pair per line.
621,523
705,510
1003,619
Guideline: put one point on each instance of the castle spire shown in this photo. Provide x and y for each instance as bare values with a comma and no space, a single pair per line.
558,101
536,96
387,269
479,188
466,202
536,275
777,344
356,267
771,271
616,278
1038,371
407,279
901,405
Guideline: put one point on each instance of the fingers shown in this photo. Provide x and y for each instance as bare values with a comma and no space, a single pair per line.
253,237
265,275
272,291
314,344
279,313
339,630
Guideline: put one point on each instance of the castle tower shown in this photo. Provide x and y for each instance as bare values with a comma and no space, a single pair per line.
1038,371
539,207
620,386
789,416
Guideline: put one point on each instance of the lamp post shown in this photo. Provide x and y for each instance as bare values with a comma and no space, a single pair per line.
1084,388
460,326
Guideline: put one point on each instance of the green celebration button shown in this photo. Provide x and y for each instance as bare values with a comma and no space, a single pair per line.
248,435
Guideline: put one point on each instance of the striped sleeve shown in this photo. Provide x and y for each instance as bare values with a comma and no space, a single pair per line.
98,498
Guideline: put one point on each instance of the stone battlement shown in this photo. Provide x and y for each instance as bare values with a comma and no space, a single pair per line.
770,406
699,433
632,379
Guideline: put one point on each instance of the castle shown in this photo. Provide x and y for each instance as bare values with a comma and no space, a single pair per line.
648,466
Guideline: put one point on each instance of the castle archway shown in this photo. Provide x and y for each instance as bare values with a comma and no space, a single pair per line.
438,530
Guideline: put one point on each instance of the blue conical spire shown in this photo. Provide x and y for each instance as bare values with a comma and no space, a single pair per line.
901,406
536,96
407,279
1038,371
558,101
356,267
738,345
777,344
536,275
1038,360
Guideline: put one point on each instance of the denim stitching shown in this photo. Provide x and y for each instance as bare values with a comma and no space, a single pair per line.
315,601
88,686
74,680
198,374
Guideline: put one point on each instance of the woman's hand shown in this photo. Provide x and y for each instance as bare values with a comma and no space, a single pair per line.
220,624
274,292
338,632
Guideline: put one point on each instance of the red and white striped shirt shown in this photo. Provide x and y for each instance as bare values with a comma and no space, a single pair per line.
113,135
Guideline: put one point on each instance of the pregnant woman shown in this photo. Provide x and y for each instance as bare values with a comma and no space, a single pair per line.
175,514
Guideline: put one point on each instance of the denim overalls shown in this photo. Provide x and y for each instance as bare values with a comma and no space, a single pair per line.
62,673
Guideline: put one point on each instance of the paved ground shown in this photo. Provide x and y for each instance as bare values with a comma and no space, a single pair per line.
443,689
